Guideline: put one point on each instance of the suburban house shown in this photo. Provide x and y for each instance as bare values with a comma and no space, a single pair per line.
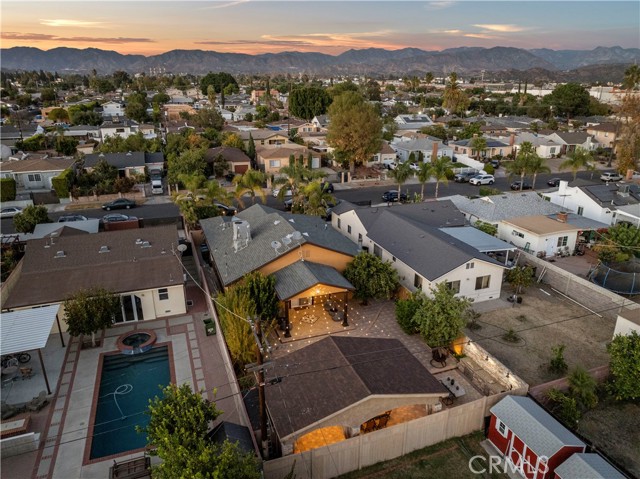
572,140
599,202
585,465
413,122
321,121
128,164
338,384
54,230
385,156
410,238
493,209
123,129
272,158
605,134
35,174
305,255
238,160
172,111
83,132
256,95
529,438
427,146
112,108
136,264
264,137
545,147
493,148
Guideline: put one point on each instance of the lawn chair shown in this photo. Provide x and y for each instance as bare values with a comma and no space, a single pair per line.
38,402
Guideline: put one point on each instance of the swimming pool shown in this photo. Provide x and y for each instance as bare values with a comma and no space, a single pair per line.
126,385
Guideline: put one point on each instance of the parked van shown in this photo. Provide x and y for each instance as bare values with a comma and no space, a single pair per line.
156,187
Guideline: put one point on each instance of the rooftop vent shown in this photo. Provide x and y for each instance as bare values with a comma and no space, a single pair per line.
146,244
139,241
104,249
60,254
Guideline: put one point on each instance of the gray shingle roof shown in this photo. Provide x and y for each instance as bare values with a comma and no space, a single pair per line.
119,160
267,225
573,137
430,213
337,372
534,426
478,239
504,206
587,466
302,275
608,195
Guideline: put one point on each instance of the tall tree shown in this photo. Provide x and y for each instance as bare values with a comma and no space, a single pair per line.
355,129
580,159
316,199
570,100
308,101
522,163
424,174
537,165
219,81
251,149
440,167
28,218
401,174
250,183
90,310
372,277
454,98
624,365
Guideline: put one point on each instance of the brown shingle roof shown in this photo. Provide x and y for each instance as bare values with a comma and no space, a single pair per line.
231,154
541,225
37,165
127,266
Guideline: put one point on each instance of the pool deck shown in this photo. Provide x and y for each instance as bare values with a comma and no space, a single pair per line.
64,426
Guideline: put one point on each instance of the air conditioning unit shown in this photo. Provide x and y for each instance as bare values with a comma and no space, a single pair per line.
436,407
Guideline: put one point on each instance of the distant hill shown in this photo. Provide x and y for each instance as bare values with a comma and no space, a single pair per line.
371,61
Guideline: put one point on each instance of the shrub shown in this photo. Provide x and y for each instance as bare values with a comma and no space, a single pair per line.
564,406
449,174
488,191
406,310
624,365
511,336
63,183
558,365
7,189
489,169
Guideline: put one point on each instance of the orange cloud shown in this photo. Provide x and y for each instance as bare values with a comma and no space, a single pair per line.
501,28
41,37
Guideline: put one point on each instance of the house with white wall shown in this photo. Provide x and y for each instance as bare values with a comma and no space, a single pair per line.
545,147
570,140
35,173
413,122
426,146
409,237
112,108
540,234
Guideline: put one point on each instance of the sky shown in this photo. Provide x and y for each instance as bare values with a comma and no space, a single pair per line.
257,26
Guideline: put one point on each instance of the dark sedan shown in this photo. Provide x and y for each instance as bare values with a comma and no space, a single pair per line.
120,203
517,186
392,196
554,181
226,210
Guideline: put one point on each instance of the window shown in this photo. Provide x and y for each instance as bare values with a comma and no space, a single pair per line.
349,229
359,237
35,177
377,251
163,294
470,265
274,163
454,286
501,427
517,233
482,282
338,223
562,241
417,281
393,258
119,130
553,150
580,210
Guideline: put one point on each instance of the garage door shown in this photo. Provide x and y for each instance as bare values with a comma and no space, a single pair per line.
240,169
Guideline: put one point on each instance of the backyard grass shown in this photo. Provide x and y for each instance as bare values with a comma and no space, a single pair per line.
446,459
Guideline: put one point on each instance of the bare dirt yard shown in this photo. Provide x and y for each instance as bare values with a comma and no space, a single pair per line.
543,320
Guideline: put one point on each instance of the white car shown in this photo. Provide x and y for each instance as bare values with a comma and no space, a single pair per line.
414,166
10,211
276,192
611,176
482,180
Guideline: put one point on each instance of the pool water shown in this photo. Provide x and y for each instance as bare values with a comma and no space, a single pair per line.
126,385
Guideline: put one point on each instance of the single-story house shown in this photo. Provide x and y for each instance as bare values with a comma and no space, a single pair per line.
545,147
413,122
138,265
385,156
540,234
529,438
130,163
425,146
272,158
570,140
321,121
341,382
238,160
87,132
587,466
493,148
264,137
35,174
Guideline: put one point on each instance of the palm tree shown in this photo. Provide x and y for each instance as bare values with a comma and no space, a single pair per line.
631,77
317,199
522,163
454,99
401,174
296,177
428,78
583,388
537,165
250,183
479,144
579,159
424,173
439,168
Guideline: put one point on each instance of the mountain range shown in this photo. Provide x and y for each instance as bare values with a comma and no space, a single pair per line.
464,60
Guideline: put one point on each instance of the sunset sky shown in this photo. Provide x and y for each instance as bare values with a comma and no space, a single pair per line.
255,26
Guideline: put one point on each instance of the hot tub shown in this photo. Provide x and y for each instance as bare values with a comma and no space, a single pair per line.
136,342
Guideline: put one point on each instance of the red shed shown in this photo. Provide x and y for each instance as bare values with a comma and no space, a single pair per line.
529,438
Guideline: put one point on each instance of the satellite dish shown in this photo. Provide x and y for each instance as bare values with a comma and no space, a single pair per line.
182,248
276,244
286,241
296,235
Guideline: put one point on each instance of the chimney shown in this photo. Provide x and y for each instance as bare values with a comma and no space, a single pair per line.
562,217
434,152
629,175
512,139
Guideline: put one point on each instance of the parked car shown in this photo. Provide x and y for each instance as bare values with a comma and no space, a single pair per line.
120,203
229,176
392,196
554,181
611,176
495,164
518,185
482,180
329,210
115,217
276,192
10,211
414,166
226,210
464,177
68,218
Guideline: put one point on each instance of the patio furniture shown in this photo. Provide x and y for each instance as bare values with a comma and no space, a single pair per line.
309,318
137,468
26,373
38,402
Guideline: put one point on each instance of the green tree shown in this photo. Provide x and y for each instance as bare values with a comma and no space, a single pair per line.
582,387
262,291
234,305
189,162
558,365
438,131
454,98
564,406
406,310
486,227
522,163
219,165
537,165
570,100
441,317
90,310
28,218
355,129
66,145
520,277
624,366
428,78
439,168
232,140
372,277
631,78
424,174
308,101
251,149
208,118
219,81
479,144
619,243
250,183
58,114
401,174
179,422
580,159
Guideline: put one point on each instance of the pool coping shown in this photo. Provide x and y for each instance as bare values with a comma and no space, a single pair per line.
88,443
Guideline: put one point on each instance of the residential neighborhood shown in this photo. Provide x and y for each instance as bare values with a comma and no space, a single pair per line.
379,263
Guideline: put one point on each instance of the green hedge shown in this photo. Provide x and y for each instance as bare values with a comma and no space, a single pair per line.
489,169
7,189
62,183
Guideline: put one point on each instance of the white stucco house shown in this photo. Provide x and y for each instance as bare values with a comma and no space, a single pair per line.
426,146
112,108
540,234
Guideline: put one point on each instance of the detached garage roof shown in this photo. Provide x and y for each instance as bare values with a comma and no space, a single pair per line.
302,275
